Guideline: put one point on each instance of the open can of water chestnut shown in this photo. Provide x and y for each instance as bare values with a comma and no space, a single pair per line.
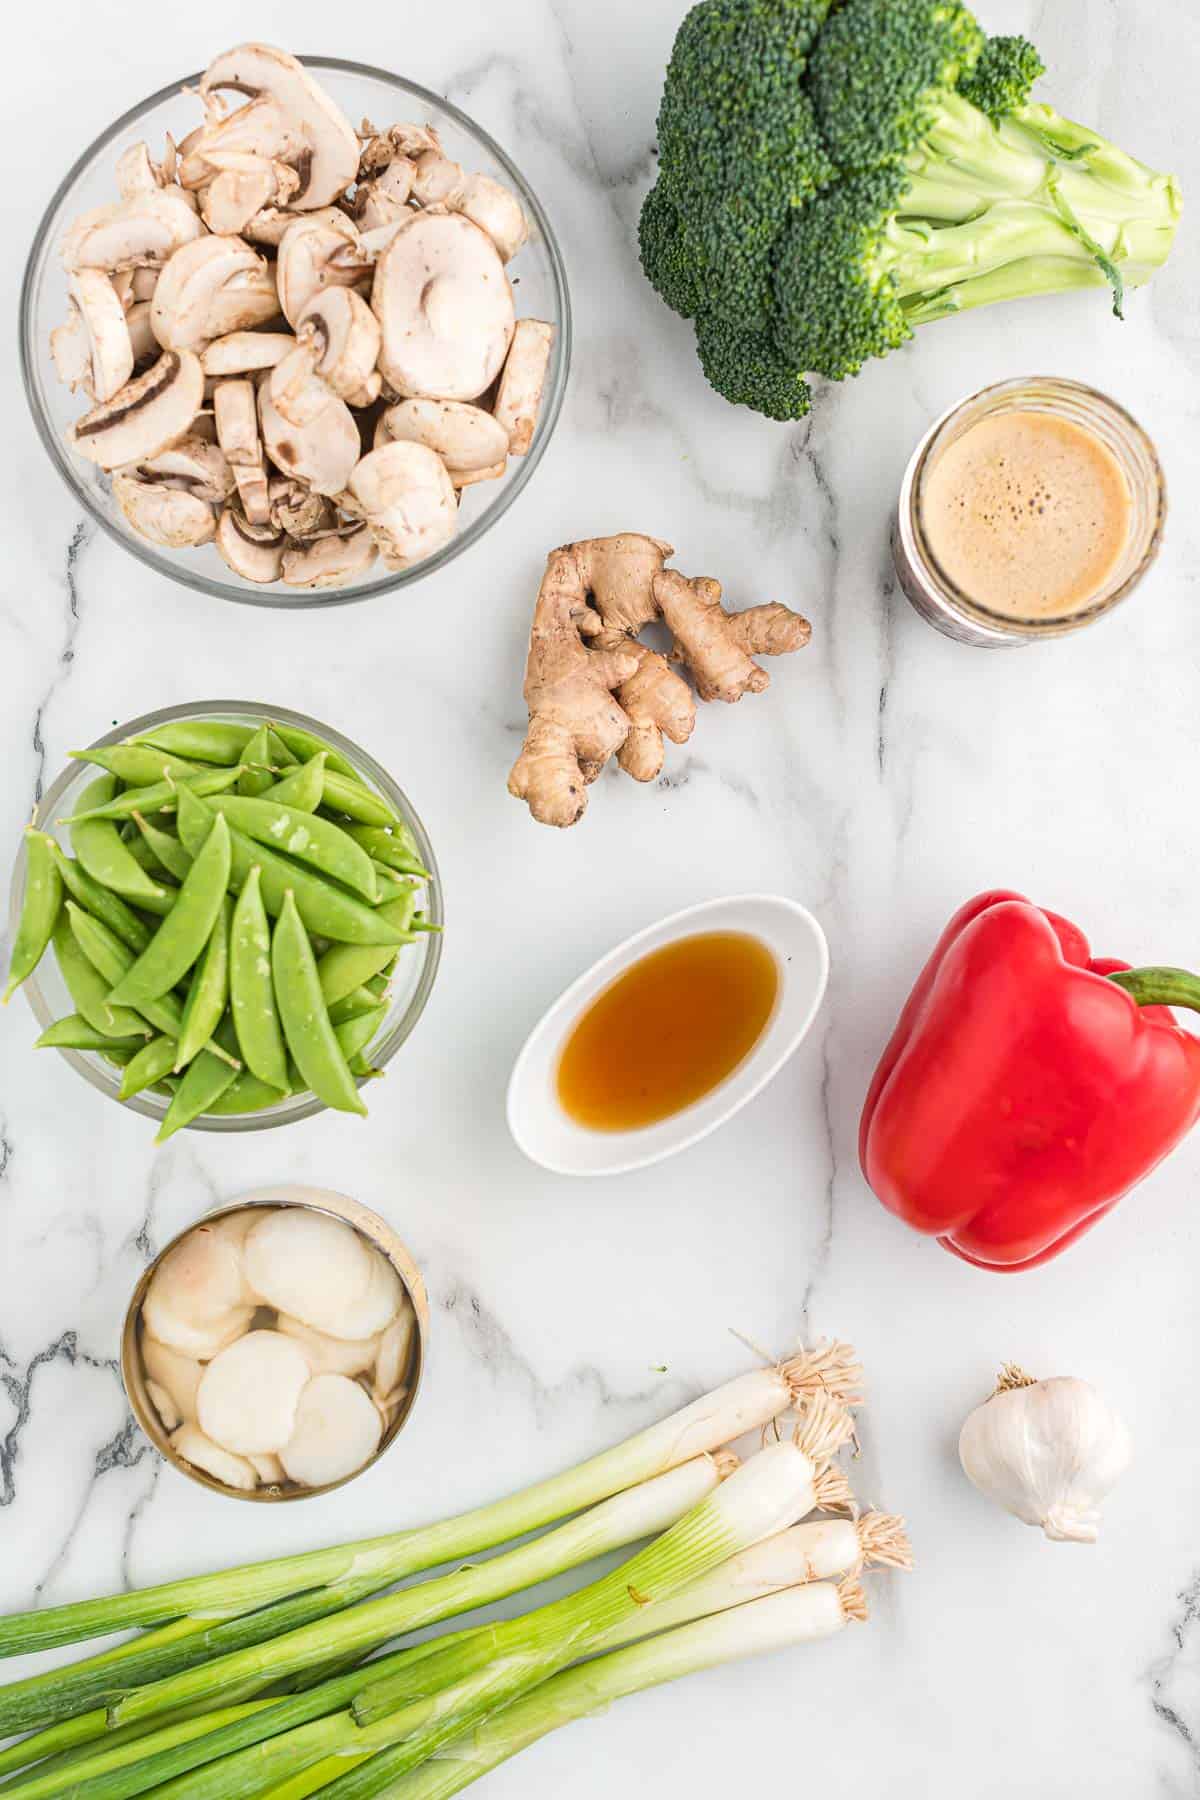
1027,511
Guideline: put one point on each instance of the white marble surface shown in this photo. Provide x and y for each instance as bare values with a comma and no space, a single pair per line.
887,775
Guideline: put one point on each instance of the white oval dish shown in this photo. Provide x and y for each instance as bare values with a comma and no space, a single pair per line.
545,1132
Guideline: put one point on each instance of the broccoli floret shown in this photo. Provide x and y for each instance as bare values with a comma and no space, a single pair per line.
746,369
1001,79
837,172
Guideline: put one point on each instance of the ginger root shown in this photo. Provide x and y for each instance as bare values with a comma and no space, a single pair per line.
593,690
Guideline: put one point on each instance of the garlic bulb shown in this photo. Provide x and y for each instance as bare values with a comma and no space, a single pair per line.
1048,1451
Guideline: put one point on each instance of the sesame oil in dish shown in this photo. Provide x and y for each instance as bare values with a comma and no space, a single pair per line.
667,1031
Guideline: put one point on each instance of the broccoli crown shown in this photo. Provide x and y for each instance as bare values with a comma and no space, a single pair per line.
746,369
834,171
1000,81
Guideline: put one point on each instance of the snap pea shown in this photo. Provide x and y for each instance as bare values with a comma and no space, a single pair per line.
209,990
281,756
380,984
327,911
186,929
310,1037
112,962
245,1094
166,850
203,1083
349,796
396,849
161,797
389,884
362,1000
87,987
302,788
142,853
138,765
257,764
108,907
98,846
354,1035
74,1033
40,907
303,744
311,840
251,991
145,1070
203,740
345,967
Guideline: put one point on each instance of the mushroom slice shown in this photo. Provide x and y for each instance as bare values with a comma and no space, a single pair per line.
138,173
315,253
463,478
257,129
145,415
325,151
237,434
140,327
178,1376
368,393
93,350
268,226
337,341
242,185
329,1355
142,231
407,498
400,141
329,562
190,1443
337,1430
241,352
489,204
142,283
165,515
247,1397
384,200
182,310
249,299
445,308
321,454
519,394
310,1265
298,512
194,465
467,439
255,552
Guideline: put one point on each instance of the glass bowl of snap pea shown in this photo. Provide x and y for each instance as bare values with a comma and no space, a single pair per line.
244,930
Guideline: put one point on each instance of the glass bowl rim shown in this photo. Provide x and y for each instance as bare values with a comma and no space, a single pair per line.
287,599
295,1108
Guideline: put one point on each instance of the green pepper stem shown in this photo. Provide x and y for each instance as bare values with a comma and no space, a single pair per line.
1160,987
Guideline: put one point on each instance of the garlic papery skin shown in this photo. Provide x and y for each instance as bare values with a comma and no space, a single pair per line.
1046,1451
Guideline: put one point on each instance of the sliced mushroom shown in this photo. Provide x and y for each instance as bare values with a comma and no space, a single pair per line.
141,232
408,500
138,173
166,515
142,340
258,129
297,511
489,204
337,341
255,552
93,349
329,1355
190,1443
519,394
316,253
337,1430
183,310
399,141
322,144
249,299
242,185
248,1394
469,441
142,283
237,433
368,393
268,226
144,416
445,308
329,562
321,454
177,1375
193,465
384,199
241,352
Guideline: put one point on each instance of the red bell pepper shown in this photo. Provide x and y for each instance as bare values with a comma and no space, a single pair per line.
1027,1085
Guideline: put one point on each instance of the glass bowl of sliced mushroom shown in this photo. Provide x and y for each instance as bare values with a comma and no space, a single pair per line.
295,332
273,1350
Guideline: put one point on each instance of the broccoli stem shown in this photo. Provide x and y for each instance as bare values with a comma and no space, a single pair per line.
1014,281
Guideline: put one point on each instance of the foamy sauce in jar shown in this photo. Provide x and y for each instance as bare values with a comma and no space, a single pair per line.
1027,511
